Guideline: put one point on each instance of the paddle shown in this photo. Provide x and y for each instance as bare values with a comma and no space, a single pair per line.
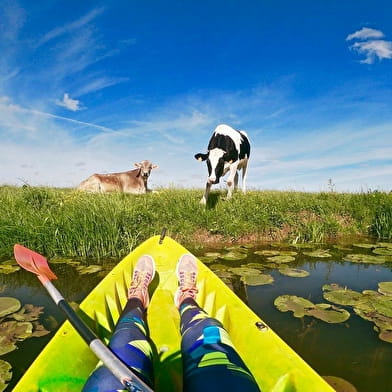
37,264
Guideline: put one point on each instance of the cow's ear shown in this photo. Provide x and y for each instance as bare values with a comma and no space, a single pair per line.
155,166
138,165
201,157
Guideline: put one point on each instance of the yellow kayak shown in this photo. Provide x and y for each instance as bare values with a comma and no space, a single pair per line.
66,362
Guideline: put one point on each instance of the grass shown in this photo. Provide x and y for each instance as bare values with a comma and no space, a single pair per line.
70,223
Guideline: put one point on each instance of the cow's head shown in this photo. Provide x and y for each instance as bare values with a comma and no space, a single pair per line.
216,161
145,168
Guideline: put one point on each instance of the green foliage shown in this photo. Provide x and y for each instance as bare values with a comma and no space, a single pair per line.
65,222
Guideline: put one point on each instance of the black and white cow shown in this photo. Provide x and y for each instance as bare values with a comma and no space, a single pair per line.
228,151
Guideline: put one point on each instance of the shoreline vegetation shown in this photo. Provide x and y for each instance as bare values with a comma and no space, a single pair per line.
66,222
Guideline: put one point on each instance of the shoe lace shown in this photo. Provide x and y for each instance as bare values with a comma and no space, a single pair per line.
187,282
139,282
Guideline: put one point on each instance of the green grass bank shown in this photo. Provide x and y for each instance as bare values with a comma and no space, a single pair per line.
66,222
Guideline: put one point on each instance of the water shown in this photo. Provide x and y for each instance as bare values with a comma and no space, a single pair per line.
351,350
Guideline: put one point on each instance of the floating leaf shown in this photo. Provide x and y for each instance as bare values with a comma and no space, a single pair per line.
64,260
9,305
212,254
237,249
267,252
233,256
288,253
244,271
292,303
385,288
293,272
384,244
254,265
342,296
207,259
302,307
329,314
257,280
365,259
28,313
383,251
219,267
386,336
320,253
39,330
5,374
366,246
8,267
90,269
339,384
281,259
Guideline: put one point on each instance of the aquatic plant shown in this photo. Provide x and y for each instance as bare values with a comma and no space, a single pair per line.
257,280
293,272
302,307
5,374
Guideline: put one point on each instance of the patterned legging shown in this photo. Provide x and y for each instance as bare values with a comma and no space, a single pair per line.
210,362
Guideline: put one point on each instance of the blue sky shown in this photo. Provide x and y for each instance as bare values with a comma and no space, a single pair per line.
89,86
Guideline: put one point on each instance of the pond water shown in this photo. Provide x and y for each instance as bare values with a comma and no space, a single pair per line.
351,350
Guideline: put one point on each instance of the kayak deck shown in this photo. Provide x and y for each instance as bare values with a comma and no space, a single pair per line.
66,362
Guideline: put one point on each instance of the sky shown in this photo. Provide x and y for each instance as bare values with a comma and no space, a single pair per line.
95,87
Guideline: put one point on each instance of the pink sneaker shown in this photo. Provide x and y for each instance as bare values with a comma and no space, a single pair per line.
143,274
187,274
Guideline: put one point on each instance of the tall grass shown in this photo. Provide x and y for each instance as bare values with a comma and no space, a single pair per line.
67,222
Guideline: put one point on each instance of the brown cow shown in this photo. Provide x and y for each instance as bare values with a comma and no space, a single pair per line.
133,181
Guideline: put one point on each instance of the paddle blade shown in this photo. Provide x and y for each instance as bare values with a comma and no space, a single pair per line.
33,262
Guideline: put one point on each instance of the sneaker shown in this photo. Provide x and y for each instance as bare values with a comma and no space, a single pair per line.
143,274
187,275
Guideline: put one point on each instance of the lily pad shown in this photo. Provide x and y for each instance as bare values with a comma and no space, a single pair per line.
292,303
212,254
244,271
383,251
329,314
302,307
365,246
8,267
63,260
386,336
27,313
257,280
385,288
319,253
267,253
233,256
5,374
9,305
339,384
293,272
258,266
207,259
364,259
90,269
224,274
281,259
343,296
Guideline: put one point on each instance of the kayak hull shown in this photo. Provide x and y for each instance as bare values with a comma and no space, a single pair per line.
66,361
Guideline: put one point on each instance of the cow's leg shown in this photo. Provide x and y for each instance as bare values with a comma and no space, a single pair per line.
230,180
236,181
206,192
244,173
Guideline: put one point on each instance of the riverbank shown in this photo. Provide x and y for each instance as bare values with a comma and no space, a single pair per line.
66,222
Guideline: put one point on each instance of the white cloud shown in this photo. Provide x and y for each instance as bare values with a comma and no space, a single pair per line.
370,45
374,49
365,33
69,103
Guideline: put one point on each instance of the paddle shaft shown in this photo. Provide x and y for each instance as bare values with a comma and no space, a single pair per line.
130,380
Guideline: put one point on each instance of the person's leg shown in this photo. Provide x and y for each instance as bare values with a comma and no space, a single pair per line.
210,361
130,338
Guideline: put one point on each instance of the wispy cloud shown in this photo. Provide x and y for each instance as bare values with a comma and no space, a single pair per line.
365,33
71,27
69,103
371,45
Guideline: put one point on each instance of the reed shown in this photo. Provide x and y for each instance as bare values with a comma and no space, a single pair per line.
71,223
